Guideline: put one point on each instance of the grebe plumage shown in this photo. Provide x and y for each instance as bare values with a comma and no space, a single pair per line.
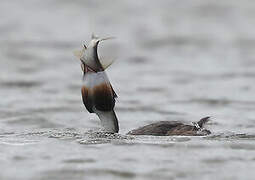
173,128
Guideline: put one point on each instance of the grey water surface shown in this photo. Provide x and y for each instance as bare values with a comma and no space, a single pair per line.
175,60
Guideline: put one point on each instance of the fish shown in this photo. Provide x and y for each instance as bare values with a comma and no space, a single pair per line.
98,95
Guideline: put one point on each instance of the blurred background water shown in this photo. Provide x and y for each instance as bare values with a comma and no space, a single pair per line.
176,60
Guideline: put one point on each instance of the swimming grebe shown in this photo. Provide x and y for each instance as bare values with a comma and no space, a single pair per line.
99,97
173,128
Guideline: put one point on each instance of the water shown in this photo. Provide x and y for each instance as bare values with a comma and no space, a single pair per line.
176,60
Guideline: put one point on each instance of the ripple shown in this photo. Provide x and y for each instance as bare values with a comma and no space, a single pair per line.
118,173
152,89
62,174
17,142
79,161
175,41
21,84
41,44
147,109
82,173
19,158
138,60
242,146
31,120
214,161
231,136
214,102
94,141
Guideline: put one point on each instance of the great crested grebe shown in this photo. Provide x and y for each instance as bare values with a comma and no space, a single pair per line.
173,128
97,93
99,97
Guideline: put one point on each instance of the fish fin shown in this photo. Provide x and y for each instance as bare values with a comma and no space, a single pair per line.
106,62
79,53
